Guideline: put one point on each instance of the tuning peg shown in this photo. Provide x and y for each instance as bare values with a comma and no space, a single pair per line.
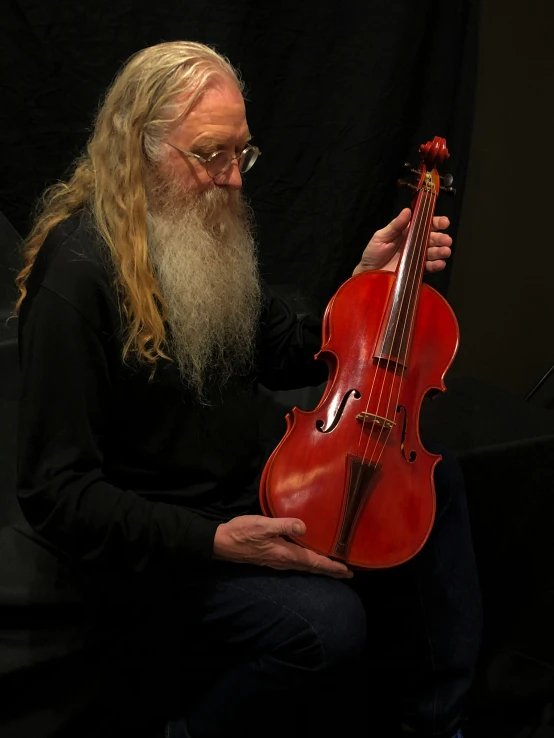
449,190
403,183
410,168
447,180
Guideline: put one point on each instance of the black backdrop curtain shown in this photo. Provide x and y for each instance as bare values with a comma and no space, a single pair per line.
340,95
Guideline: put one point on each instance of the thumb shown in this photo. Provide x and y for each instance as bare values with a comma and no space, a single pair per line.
396,226
285,527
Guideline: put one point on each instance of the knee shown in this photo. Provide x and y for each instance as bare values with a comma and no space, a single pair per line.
323,627
339,625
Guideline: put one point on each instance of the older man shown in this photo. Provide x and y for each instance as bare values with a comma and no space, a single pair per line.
144,331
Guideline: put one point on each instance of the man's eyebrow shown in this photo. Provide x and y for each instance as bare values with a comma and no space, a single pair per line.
214,142
209,142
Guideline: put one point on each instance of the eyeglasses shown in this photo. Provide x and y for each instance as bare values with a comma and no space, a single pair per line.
220,161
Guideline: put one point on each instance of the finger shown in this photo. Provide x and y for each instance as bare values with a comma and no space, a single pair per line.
440,222
440,239
328,567
282,527
396,226
438,252
435,266
307,560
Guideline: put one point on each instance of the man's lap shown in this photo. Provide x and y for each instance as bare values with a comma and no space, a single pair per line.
226,610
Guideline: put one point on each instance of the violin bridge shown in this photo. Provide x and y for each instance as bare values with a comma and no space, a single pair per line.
376,420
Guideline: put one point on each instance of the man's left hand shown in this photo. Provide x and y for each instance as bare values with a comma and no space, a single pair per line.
382,252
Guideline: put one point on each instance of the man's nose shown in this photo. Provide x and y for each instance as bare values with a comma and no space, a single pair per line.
231,177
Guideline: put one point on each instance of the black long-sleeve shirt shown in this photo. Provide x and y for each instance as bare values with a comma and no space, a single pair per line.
119,472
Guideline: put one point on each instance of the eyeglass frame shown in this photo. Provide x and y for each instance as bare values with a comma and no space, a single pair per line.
206,160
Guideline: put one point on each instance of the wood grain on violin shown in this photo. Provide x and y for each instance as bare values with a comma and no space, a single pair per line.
354,469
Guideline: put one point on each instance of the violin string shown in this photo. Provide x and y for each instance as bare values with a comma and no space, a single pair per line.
363,424
370,395
421,217
422,221
414,290
379,369
426,209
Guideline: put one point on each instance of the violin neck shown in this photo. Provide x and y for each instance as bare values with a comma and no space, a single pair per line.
394,342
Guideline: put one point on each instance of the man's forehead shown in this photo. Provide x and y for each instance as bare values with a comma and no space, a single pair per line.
219,101
219,117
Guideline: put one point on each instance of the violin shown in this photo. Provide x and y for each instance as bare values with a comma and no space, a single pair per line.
355,469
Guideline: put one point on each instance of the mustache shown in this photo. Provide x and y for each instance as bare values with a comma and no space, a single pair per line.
170,197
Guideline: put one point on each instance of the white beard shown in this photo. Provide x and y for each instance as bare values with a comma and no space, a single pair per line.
204,257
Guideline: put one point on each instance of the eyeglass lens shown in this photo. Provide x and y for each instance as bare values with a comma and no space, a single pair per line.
222,161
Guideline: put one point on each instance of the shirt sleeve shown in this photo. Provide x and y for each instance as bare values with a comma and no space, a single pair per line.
289,343
62,490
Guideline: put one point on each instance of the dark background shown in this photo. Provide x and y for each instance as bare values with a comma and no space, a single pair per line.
502,279
340,94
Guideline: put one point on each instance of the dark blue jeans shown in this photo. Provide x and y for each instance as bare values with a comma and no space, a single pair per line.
283,633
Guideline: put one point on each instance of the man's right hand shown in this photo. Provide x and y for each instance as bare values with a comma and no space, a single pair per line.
255,539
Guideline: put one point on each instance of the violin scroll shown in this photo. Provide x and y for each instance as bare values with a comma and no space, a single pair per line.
434,153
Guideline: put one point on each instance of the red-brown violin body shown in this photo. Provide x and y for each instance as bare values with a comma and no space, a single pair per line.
354,469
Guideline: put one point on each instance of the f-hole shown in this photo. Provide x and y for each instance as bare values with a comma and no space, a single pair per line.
320,424
413,455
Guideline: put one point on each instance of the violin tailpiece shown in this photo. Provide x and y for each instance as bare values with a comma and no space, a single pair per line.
360,482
